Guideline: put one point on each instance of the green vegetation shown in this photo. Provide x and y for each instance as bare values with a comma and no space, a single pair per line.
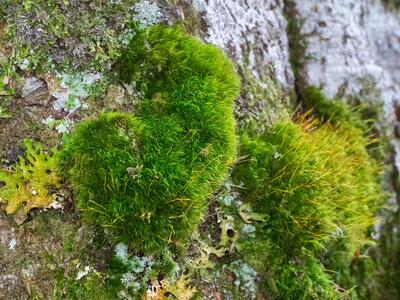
147,179
165,61
311,182
363,114
294,220
90,287
53,34
127,276
317,188
373,271
335,111
303,279
392,3
29,184
297,45
6,89
386,257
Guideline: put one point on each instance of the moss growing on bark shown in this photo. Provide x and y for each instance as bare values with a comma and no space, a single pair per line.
393,4
317,187
314,182
147,177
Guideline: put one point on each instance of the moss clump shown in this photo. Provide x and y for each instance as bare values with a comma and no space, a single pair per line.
303,279
163,60
314,183
318,188
335,110
148,178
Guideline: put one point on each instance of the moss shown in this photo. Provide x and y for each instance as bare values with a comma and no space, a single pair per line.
127,276
334,110
148,179
362,113
316,186
91,287
312,182
52,34
373,271
297,45
386,256
355,273
392,4
161,60
302,279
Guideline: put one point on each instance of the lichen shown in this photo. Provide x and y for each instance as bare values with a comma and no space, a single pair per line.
73,89
135,275
30,181
261,103
146,13
180,289
246,278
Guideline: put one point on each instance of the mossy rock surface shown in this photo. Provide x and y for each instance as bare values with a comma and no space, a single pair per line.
147,178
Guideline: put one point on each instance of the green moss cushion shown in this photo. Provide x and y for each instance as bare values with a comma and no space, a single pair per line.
147,177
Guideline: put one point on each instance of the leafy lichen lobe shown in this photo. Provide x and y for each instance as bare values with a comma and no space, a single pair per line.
28,184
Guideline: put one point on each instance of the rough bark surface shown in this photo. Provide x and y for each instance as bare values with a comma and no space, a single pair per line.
253,32
351,46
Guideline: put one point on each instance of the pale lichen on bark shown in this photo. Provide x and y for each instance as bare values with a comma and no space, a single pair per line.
253,33
350,43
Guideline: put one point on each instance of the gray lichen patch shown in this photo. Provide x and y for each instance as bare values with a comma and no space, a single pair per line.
254,35
72,90
31,85
147,13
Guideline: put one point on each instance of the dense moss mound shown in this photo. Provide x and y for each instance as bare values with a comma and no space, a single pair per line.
303,279
335,110
148,177
317,188
314,183
165,60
